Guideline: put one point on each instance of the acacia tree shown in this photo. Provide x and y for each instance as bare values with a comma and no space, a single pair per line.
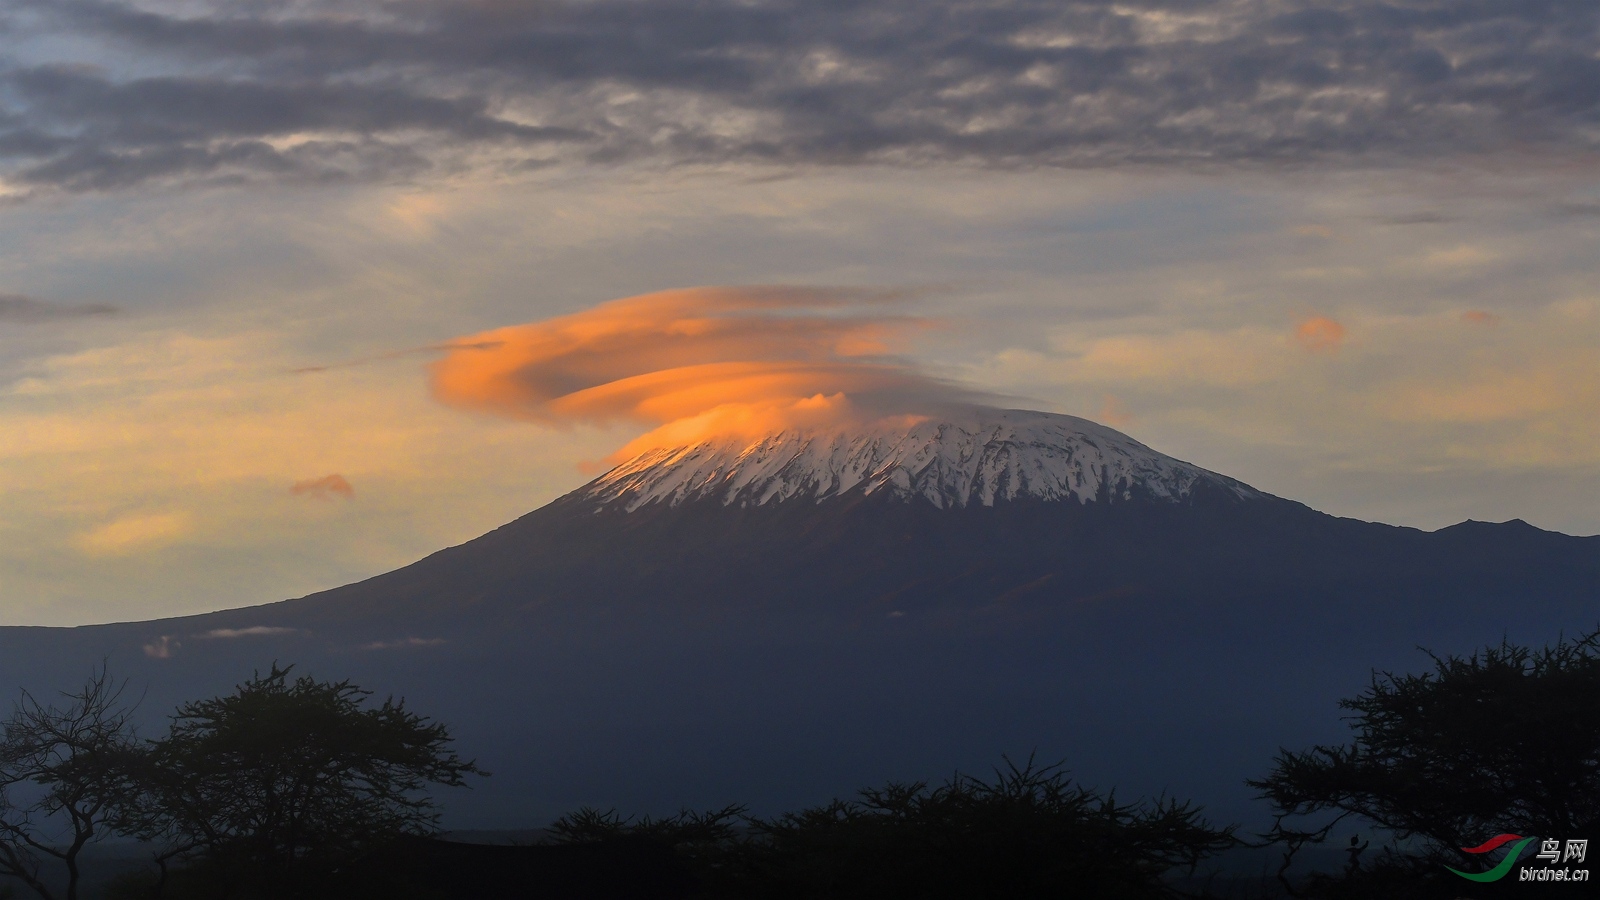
65,775
285,776
1505,740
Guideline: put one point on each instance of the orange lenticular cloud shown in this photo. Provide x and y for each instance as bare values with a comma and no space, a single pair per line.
1320,334
698,363
324,488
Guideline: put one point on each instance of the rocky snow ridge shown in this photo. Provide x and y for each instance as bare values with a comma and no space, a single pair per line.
977,456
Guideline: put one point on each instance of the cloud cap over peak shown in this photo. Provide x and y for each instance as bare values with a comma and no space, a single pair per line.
698,362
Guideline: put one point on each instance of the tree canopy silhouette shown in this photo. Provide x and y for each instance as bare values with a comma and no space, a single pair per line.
1506,740
293,776
1028,832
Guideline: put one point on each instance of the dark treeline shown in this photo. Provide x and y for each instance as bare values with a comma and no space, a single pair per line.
1026,832
296,788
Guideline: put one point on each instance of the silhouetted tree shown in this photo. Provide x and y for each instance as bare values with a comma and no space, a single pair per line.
1506,740
65,773
286,778
1030,832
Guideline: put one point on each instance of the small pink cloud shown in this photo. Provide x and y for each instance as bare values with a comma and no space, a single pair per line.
324,488
1479,317
1320,334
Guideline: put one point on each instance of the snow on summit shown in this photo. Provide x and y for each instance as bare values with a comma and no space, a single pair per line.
976,456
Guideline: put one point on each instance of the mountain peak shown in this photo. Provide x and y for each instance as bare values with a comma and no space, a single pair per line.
977,455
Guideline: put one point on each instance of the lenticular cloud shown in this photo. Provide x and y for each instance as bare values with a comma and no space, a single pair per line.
699,363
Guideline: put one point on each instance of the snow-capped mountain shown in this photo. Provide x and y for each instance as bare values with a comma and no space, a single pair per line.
976,456
672,634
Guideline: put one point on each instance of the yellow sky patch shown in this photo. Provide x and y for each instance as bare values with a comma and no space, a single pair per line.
135,533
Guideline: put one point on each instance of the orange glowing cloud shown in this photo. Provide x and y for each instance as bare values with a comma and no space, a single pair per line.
697,363
1320,334
324,488
1479,317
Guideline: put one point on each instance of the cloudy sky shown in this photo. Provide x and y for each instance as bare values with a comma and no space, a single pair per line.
1344,250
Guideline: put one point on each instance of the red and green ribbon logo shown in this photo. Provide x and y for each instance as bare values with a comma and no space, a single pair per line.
1498,872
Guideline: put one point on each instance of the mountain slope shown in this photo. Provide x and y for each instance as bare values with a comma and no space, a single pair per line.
781,620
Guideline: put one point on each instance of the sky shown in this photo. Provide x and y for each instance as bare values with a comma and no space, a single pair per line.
258,260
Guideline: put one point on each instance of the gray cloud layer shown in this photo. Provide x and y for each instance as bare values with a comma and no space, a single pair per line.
382,91
24,309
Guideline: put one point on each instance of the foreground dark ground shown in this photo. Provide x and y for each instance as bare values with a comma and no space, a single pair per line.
476,865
